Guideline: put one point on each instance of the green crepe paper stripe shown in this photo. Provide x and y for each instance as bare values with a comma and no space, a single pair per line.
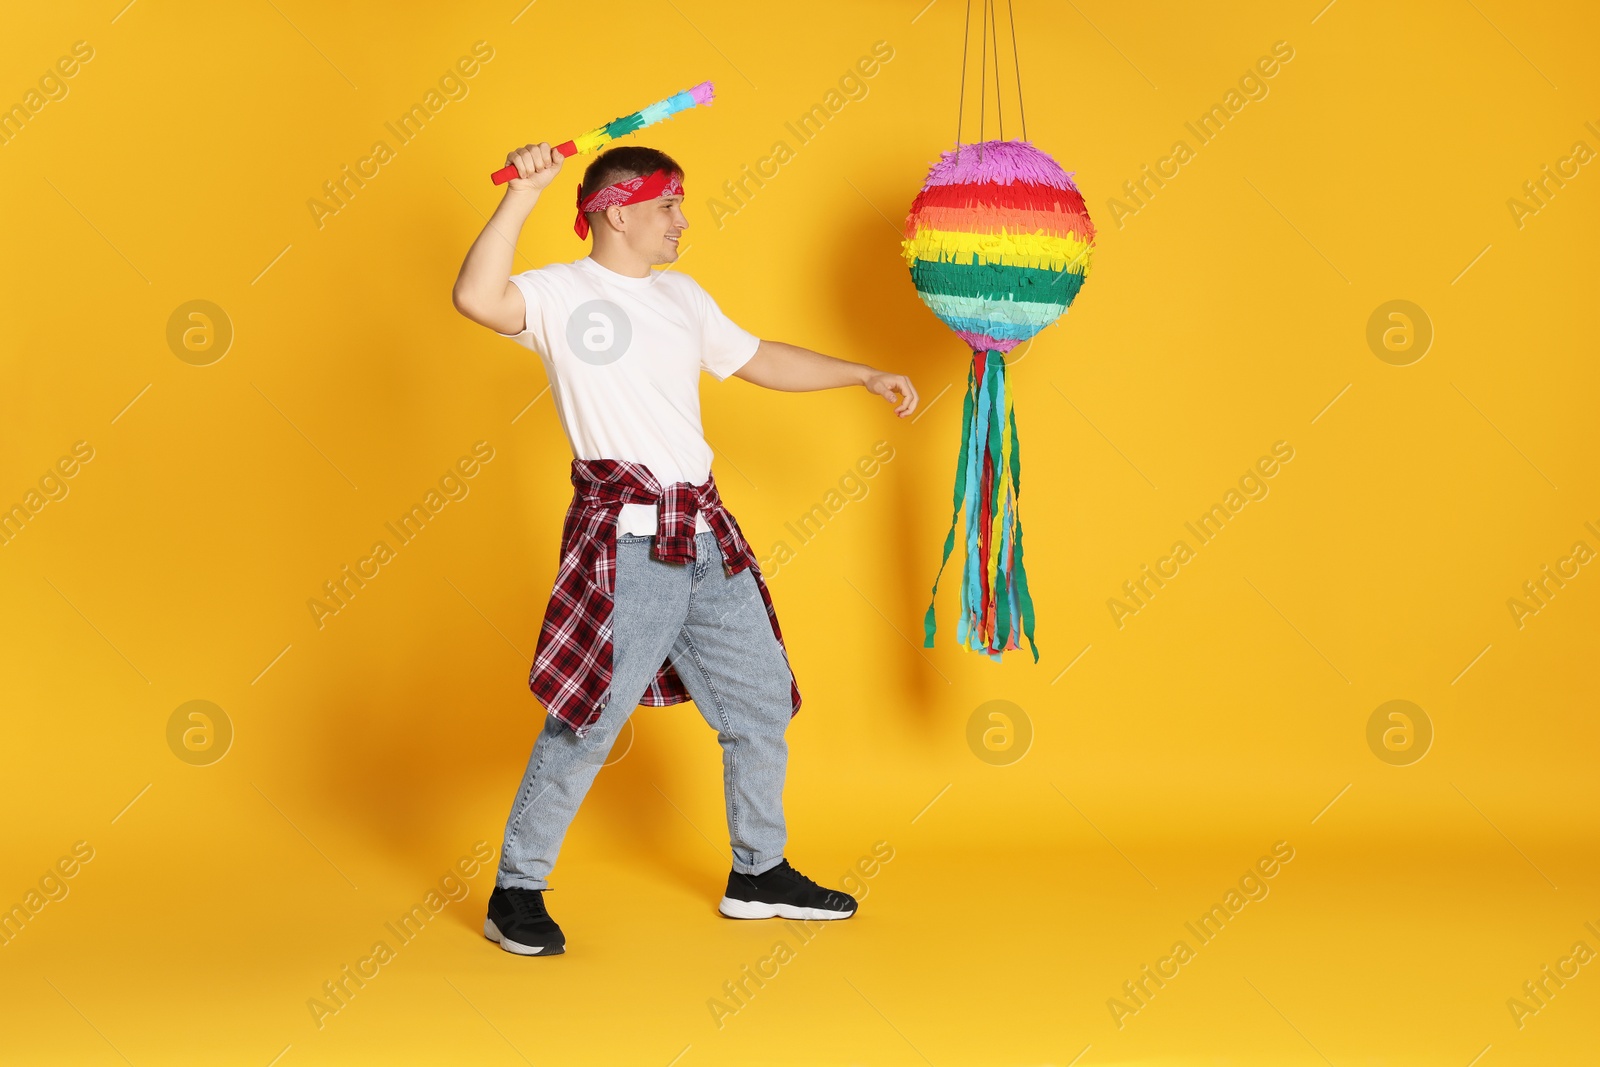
996,282
624,126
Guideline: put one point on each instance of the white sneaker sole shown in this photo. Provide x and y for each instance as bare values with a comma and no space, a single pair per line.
755,909
492,932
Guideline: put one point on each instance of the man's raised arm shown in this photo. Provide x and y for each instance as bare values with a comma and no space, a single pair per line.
484,292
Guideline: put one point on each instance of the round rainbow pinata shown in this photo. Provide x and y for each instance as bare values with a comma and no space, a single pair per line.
999,243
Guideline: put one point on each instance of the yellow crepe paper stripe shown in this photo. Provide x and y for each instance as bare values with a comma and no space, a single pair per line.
1040,250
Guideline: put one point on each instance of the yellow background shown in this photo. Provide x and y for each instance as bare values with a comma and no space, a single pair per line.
1228,313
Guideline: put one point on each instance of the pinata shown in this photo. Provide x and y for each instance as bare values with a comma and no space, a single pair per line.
998,242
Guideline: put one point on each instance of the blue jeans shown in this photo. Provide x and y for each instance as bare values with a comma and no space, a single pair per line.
715,630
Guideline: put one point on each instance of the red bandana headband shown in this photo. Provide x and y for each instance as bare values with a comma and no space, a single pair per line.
628,191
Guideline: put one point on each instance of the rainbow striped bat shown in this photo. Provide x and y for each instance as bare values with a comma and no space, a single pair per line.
601,136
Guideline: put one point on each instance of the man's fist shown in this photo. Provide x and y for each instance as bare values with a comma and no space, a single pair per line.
537,166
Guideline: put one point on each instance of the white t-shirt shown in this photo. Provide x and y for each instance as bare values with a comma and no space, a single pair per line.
624,357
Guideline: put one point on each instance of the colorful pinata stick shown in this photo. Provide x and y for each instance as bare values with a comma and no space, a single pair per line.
600,136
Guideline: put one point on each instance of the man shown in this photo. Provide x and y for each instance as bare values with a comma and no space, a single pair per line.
658,599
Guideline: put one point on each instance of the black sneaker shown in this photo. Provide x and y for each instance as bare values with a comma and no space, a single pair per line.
784,892
518,921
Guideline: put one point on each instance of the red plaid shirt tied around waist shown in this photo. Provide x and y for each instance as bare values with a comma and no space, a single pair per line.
572,664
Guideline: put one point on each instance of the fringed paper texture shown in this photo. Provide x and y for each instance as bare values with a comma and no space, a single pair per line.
601,136
996,608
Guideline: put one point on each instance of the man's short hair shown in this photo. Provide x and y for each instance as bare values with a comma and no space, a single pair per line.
620,163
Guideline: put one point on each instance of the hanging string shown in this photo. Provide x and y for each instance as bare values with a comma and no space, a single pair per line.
999,106
966,34
1017,66
989,19
983,77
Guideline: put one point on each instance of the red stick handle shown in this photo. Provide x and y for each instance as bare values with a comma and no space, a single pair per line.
509,171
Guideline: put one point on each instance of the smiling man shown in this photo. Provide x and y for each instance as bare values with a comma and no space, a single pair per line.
658,598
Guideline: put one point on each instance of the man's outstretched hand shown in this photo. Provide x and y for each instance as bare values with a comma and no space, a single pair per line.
777,365
895,388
